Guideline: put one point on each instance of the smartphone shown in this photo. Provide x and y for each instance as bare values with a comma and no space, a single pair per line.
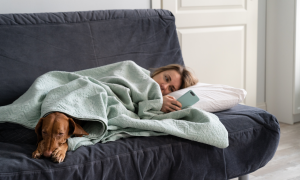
188,99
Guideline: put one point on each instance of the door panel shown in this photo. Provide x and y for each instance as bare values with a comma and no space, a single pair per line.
219,40
209,39
212,4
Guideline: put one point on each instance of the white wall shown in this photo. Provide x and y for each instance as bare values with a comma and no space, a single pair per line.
280,59
261,54
296,87
36,6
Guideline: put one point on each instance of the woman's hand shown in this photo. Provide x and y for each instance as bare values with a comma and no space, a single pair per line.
170,104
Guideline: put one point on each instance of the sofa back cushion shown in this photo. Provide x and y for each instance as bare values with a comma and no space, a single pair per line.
33,44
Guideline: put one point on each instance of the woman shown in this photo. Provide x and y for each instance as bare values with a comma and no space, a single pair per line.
172,78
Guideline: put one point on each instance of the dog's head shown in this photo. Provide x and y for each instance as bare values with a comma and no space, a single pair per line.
55,129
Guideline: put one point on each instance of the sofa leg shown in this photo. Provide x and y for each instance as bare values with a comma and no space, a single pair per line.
245,177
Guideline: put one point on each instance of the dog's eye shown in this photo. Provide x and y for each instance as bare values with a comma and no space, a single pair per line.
44,132
60,134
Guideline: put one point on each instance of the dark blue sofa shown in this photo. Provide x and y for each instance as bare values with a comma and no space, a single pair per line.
33,44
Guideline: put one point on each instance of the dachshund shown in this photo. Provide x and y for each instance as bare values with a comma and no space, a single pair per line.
52,134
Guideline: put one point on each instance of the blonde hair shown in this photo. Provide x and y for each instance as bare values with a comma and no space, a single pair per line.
187,77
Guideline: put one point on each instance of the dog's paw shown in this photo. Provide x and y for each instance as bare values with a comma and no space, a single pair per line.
58,155
36,154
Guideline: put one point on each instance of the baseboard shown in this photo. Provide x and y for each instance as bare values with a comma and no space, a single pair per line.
262,106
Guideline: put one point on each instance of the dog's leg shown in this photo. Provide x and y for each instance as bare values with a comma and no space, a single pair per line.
39,150
59,154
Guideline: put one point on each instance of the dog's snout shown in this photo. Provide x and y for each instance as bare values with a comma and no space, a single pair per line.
47,154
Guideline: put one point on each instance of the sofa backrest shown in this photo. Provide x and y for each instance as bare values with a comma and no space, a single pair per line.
33,44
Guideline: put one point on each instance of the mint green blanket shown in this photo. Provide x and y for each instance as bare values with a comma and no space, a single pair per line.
118,100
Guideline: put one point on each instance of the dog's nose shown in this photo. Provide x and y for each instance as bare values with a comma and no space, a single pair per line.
47,153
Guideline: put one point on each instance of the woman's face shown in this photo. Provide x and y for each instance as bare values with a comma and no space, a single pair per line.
168,81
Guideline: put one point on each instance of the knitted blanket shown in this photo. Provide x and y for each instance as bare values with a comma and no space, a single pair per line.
117,101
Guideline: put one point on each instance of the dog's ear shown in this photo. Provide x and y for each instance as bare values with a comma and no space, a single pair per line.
38,130
76,129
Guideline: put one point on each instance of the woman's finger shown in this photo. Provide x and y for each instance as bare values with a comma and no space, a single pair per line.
176,103
179,104
171,97
176,107
170,109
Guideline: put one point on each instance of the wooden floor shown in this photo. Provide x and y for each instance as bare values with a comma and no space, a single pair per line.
285,165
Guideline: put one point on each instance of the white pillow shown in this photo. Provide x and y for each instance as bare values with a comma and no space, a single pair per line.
214,97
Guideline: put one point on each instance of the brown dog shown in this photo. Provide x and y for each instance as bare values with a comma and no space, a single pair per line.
52,133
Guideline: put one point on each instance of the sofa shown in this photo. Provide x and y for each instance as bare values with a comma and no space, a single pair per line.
34,44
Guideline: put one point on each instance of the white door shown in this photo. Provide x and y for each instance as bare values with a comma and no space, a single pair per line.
218,39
